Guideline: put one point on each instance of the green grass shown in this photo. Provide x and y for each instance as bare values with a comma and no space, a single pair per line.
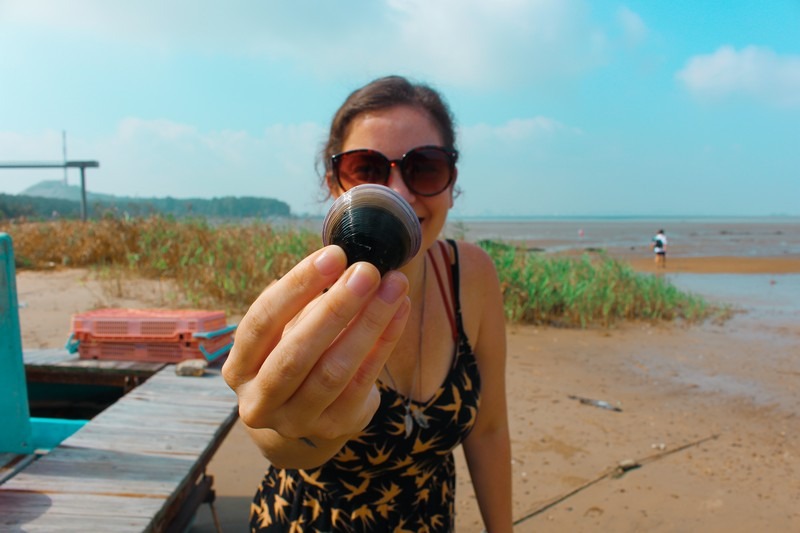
586,291
228,265
225,265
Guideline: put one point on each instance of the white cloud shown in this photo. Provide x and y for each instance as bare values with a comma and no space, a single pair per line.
47,146
754,71
478,43
161,130
459,42
632,24
146,158
505,168
519,130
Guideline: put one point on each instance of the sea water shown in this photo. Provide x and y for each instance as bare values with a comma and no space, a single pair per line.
766,321
767,295
691,237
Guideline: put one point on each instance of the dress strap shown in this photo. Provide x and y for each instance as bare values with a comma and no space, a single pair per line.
456,284
448,303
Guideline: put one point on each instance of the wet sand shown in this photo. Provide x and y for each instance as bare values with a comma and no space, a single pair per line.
732,383
719,265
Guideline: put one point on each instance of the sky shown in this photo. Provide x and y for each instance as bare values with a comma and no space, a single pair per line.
563,107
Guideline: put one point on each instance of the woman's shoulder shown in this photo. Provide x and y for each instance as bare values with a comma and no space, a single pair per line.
473,258
472,251
481,297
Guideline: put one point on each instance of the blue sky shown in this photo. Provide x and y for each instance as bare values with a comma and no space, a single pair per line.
564,107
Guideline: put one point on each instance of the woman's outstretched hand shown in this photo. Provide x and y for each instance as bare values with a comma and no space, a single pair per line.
304,363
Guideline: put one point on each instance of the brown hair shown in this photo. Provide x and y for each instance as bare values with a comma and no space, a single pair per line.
384,93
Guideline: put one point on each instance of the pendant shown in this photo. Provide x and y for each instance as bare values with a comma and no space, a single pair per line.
420,418
408,421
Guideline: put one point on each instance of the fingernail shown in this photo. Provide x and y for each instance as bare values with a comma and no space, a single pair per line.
361,280
403,310
328,262
392,288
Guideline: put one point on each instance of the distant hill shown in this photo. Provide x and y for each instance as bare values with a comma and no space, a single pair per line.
60,190
48,198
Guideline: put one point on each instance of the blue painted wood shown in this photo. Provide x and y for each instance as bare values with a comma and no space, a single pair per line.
14,410
47,433
20,434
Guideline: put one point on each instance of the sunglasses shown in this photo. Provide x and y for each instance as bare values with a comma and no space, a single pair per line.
426,170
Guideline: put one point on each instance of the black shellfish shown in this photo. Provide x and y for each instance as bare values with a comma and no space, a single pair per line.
375,224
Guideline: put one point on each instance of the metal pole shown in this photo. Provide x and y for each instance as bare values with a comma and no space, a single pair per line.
64,152
66,164
83,194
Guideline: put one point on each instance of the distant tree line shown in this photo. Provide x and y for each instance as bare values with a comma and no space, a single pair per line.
16,206
36,207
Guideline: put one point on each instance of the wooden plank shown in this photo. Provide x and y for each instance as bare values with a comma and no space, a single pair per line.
137,460
181,423
116,462
60,366
136,440
8,460
12,463
46,356
60,482
70,512
61,358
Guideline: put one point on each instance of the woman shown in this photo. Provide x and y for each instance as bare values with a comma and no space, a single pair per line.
358,394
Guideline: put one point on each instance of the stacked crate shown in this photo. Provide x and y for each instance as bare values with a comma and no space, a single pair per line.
154,335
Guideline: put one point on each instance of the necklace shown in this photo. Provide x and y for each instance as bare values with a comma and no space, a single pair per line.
414,413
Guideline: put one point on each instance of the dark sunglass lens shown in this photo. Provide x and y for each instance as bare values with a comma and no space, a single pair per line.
427,170
362,167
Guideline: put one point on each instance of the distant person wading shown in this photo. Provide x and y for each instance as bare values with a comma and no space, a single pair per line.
660,249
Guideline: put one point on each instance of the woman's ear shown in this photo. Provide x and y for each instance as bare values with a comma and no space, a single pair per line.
333,187
453,191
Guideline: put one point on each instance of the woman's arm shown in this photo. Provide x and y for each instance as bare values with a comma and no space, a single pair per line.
304,364
487,448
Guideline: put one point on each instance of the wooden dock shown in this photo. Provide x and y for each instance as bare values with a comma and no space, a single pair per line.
137,466
59,366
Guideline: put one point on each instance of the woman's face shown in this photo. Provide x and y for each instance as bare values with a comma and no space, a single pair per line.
393,132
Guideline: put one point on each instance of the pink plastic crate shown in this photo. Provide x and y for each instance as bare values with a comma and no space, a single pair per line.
144,324
162,352
156,335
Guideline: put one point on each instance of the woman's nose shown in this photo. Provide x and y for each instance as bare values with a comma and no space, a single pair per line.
398,184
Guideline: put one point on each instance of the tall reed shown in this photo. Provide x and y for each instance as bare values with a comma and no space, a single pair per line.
590,290
228,265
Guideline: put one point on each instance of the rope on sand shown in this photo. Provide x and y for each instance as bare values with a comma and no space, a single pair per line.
615,472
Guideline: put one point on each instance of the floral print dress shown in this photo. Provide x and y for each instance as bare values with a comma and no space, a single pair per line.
384,480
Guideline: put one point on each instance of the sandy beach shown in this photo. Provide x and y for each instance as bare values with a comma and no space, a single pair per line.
707,424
